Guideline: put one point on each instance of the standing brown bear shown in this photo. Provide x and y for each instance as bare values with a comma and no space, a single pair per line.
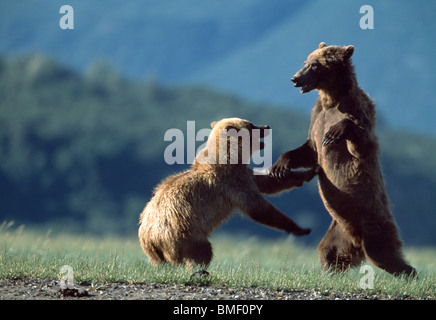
343,145
187,207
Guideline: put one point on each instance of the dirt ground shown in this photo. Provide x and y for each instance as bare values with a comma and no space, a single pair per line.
44,289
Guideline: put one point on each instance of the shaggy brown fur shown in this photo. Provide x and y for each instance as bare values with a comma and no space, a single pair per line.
342,142
187,207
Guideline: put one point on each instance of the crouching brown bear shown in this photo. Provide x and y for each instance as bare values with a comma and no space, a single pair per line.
188,206
343,145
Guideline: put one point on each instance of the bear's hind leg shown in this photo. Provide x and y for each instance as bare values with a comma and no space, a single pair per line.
155,255
337,252
197,252
384,251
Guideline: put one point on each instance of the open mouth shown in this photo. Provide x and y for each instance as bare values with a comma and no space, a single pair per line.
261,145
263,132
297,81
257,145
306,88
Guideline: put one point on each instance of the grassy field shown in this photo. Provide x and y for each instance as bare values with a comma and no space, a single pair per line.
238,262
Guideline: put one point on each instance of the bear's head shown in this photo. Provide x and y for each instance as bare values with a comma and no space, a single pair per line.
326,67
233,141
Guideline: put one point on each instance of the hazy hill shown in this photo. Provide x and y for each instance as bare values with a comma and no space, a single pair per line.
83,151
250,48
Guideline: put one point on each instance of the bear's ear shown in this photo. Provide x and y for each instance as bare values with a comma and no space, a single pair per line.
212,124
322,45
348,52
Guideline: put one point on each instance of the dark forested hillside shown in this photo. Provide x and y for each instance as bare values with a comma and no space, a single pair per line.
83,151
250,48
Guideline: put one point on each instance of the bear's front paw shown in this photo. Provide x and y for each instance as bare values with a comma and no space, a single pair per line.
281,168
301,232
338,132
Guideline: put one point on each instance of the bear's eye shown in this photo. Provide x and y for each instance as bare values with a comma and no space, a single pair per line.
314,65
230,127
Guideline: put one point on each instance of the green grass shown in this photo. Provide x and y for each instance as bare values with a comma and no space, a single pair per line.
238,262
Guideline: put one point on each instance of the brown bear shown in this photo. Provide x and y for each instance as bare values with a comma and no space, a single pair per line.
343,145
188,206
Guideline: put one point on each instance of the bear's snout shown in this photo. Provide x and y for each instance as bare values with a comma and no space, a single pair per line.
262,127
262,130
297,80
305,79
